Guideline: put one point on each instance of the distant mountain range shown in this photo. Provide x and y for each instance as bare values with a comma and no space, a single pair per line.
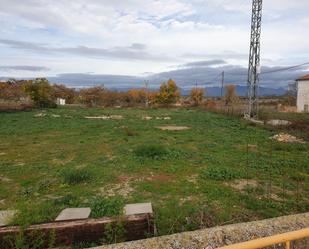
242,91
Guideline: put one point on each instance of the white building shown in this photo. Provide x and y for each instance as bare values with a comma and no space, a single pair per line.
60,101
303,94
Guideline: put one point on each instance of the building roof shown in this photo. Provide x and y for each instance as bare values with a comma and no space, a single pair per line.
305,77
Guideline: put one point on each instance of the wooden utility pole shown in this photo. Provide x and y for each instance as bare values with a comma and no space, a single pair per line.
147,97
222,84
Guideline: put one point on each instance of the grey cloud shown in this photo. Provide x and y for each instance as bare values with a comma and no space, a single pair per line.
203,63
222,55
79,80
23,68
135,51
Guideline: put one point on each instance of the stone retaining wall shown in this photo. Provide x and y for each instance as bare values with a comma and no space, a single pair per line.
219,236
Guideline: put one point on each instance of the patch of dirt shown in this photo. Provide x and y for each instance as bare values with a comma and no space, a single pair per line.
123,186
2,153
124,178
278,122
183,200
160,177
193,178
164,118
5,179
116,117
52,197
252,147
173,128
39,115
55,116
146,118
287,138
19,164
63,161
97,117
105,117
241,184
124,189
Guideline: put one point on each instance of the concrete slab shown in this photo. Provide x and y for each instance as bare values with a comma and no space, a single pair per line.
138,208
73,214
6,217
173,128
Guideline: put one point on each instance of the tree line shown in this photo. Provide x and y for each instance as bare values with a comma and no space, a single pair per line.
41,93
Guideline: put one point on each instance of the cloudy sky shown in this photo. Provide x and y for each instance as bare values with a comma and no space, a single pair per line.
118,43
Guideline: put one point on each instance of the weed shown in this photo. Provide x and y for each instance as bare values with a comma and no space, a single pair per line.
114,233
153,151
220,174
30,213
101,206
159,152
75,176
31,240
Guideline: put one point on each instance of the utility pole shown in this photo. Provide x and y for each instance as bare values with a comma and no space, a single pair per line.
222,84
254,60
147,100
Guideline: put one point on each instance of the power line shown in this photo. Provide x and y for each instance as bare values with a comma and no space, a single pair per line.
271,71
285,69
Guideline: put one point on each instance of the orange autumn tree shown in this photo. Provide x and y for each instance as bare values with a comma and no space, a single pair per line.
197,96
230,97
137,95
61,91
169,93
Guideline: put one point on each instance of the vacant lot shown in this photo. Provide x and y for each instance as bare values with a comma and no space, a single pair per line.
218,170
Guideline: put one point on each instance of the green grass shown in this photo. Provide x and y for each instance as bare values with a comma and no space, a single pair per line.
75,176
50,163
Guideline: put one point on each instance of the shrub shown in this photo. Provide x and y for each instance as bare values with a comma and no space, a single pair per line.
75,176
220,174
102,206
230,97
196,96
151,151
39,92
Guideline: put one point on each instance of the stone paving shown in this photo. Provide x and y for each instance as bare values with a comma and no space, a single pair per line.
73,214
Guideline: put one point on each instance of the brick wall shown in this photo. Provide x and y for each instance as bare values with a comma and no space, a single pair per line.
89,230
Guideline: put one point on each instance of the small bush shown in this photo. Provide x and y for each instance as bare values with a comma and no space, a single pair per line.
151,151
75,176
101,206
220,174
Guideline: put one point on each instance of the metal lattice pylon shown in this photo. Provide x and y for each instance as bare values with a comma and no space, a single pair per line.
254,60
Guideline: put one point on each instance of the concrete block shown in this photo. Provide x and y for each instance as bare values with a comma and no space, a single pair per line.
138,208
73,214
6,217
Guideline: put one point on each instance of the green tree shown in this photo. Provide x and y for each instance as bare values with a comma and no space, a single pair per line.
39,91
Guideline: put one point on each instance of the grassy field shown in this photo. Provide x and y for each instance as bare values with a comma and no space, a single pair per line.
221,170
